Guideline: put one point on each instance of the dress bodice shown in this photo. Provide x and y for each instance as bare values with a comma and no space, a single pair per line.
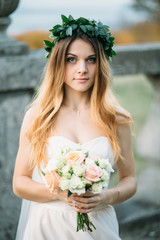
99,146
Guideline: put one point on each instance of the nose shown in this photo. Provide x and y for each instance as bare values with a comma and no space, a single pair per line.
82,67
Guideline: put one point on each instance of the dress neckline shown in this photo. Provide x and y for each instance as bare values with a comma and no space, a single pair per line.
81,144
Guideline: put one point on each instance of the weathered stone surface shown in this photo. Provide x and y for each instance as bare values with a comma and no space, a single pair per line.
9,46
12,106
21,72
137,58
7,7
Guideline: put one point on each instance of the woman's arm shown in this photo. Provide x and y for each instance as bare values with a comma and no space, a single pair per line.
125,165
23,185
127,178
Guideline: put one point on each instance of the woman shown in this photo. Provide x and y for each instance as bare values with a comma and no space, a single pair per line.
74,105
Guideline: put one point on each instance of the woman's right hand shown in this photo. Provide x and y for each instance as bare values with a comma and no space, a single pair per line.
63,196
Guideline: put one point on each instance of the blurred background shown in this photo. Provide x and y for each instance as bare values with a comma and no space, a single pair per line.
131,21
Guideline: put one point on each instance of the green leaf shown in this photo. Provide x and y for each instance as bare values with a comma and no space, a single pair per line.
97,163
90,28
70,171
113,53
48,49
69,194
43,173
70,18
83,28
52,37
69,31
74,26
82,21
57,26
86,154
64,19
48,43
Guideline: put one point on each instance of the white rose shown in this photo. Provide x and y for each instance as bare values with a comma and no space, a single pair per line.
60,164
65,169
97,187
64,183
78,170
77,185
78,191
89,161
67,175
105,164
105,175
51,165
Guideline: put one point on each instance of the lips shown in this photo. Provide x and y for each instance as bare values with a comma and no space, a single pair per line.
81,80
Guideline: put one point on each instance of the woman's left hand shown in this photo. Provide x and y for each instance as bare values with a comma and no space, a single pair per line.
88,201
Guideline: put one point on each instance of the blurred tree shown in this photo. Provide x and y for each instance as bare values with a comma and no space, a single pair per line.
151,7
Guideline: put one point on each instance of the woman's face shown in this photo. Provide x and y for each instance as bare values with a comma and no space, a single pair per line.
80,66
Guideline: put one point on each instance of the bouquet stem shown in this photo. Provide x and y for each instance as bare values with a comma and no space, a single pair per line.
83,222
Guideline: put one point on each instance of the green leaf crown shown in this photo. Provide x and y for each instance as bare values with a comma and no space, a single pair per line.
80,26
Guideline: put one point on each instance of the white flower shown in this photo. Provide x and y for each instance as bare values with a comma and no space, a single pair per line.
97,187
105,164
64,183
89,161
105,175
67,175
65,169
60,162
51,165
78,191
77,185
78,170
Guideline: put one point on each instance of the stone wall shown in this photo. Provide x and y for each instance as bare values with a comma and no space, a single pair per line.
19,75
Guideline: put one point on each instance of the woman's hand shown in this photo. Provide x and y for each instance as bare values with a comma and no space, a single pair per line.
87,202
63,196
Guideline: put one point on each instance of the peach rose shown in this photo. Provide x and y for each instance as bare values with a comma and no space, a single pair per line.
52,179
93,173
74,157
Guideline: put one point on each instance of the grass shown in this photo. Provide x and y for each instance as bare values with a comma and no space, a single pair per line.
135,94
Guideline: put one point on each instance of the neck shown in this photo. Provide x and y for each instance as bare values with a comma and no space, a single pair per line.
76,100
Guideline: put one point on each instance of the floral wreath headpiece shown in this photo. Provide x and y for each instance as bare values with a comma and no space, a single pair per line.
80,26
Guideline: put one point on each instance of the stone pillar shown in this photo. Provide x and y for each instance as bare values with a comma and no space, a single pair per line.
12,106
148,146
9,46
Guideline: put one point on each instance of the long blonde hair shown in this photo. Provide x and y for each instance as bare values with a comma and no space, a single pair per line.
49,99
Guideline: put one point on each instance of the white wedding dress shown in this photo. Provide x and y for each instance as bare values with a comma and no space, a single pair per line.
56,220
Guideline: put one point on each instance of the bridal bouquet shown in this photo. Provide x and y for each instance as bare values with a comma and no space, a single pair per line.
77,172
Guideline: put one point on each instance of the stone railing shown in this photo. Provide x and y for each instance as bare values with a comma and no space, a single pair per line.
20,73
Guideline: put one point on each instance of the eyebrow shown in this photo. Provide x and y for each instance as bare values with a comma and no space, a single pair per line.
92,55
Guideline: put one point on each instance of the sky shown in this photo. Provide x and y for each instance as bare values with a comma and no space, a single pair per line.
44,14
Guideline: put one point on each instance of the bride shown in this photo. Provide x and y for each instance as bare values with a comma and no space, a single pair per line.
74,105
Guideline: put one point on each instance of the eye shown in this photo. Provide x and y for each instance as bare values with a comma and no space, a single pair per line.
92,60
71,59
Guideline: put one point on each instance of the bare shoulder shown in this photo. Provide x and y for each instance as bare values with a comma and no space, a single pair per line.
27,120
29,116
